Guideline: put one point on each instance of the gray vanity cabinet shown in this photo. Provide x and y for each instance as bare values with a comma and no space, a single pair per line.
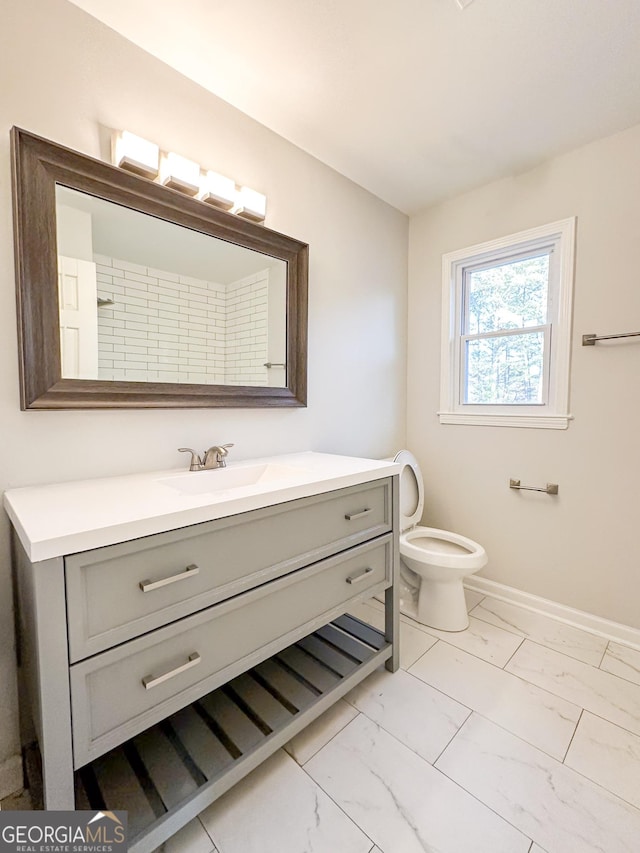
198,652
121,591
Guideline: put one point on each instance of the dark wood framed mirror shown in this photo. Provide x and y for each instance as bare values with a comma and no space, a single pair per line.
176,328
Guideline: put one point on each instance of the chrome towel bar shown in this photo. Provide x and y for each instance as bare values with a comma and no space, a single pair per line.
549,489
590,340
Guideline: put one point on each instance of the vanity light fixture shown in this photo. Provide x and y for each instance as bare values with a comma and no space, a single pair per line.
218,190
179,173
138,155
251,204
135,154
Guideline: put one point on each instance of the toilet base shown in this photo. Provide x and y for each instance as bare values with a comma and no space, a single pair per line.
435,603
441,605
454,616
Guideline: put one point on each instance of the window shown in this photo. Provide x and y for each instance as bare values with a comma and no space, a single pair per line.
506,330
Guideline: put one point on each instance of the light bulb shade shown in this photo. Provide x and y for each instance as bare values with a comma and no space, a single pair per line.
135,154
251,204
179,173
218,190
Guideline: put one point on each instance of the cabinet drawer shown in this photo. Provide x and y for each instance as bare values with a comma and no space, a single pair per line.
123,691
189,569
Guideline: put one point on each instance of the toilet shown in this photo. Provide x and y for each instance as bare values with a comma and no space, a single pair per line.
433,563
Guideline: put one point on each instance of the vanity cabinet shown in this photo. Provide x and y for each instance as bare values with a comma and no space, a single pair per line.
162,669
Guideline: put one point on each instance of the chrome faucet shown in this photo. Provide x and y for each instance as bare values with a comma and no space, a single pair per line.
214,457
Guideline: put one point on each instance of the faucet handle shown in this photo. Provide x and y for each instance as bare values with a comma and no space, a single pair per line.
222,451
215,456
196,462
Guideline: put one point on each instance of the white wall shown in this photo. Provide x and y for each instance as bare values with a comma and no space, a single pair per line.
580,548
71,79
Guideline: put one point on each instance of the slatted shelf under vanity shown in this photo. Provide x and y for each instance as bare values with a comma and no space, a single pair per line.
166,775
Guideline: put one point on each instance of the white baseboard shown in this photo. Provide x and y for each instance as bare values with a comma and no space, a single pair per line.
615,631
11,779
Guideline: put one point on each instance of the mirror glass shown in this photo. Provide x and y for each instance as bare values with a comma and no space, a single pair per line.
142,299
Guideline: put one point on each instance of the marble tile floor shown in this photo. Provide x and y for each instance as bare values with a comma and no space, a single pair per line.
519,734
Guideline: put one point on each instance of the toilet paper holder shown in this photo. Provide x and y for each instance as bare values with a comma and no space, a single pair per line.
549,489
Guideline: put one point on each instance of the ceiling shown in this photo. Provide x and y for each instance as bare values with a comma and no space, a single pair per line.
415,100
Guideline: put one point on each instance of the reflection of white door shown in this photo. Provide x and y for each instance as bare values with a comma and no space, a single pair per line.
78,293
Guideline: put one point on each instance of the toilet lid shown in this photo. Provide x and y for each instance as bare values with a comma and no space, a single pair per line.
411,490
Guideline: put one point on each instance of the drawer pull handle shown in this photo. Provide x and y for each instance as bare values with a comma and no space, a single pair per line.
351,516
150,681
360,577
149,586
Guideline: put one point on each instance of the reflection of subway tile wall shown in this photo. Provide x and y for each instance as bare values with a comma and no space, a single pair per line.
246,325
163,327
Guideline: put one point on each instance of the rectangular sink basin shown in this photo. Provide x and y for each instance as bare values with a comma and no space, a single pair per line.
224,479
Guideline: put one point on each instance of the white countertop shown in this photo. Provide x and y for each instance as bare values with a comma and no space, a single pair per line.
65,518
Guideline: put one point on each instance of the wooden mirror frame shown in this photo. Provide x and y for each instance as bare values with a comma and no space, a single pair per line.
37,166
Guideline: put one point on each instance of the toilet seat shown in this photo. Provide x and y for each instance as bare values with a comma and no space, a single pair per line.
411,490
468,554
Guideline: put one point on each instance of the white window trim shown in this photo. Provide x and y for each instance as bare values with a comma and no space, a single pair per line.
555,413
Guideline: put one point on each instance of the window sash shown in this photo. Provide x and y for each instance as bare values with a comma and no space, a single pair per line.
502,261
496,259
523,252
546,366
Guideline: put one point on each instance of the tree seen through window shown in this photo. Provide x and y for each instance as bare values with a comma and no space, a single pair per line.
503,342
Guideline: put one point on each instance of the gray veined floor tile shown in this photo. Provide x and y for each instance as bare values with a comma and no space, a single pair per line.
279,809
599,692
413,643
574,642
608,755
539,717
18,802
558,808
471,598
422,718
536,849
190,839
480,639
320,731
623,661
401,802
